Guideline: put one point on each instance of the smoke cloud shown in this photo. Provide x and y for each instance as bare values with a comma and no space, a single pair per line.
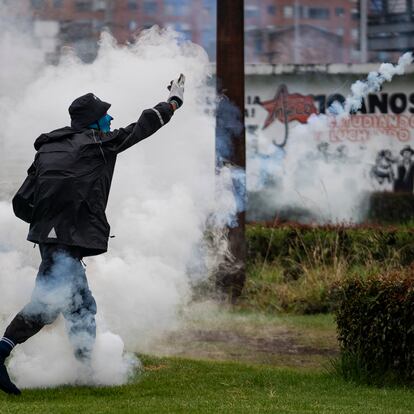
162,197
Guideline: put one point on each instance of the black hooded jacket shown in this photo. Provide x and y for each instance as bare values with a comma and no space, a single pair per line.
73,170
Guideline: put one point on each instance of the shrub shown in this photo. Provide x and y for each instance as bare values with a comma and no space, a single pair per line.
294,246
375,319
268,290
296,268
387,207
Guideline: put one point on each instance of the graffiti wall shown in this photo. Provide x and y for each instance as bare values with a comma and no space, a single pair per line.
286,150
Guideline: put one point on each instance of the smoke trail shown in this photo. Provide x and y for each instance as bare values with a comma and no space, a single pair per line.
162,197
373,83
318,181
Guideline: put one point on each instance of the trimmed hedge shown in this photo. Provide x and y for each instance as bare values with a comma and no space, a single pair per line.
386,207
293,246
375,319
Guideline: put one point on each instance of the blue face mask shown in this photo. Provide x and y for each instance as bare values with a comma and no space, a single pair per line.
104,124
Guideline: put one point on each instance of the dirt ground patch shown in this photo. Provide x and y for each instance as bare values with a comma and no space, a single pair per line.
281,342
286,342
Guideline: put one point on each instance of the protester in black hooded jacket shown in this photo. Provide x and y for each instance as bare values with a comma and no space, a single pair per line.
71,179
74,169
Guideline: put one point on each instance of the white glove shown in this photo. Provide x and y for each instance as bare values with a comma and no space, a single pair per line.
176,88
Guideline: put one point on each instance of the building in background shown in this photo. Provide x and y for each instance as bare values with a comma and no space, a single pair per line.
80,22
276,31
328,31
302,31
390,28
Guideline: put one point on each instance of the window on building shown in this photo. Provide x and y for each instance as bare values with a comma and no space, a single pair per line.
339,11
76,30
208,4
288,12
376,6
301,12
319,13
340,31
83,6
132,25
57,4
207,37
355,34
99,5
355,54
398,6
150,8
183,28
98,25
271,10
258,45
176,7
38,4
304,12
384,56
251,11
187,34
132,5
355,14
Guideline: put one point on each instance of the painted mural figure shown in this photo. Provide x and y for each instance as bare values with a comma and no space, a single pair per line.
405,171
323,149
383,170
392,174
324,152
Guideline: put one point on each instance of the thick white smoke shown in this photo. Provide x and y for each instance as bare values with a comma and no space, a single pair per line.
374,81
326,184
162,196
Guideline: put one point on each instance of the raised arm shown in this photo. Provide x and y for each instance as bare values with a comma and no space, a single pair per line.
150,121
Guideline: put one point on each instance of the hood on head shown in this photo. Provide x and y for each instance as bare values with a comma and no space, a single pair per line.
55,135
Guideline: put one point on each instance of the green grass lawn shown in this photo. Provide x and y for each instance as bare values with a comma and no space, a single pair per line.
170,385
222,361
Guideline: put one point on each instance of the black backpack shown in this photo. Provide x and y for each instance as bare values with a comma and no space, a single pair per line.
23,201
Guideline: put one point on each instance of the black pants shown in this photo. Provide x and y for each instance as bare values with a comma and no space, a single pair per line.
61,287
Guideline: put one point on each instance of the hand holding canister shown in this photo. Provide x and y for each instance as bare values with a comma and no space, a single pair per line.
176,88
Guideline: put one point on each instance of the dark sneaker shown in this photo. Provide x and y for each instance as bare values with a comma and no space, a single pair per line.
5,384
